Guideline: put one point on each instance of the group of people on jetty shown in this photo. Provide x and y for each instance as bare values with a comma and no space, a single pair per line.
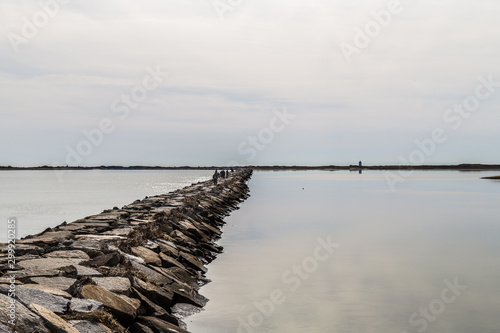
221,174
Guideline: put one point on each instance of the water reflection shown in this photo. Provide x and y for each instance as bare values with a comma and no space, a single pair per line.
399,252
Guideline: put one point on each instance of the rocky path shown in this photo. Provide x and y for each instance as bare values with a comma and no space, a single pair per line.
135,269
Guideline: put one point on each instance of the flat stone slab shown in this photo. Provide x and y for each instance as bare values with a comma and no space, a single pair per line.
49,289
22,249
86,326
152,275
162,209
54,322
193,262
87,244
27,296
70,254
154,293
36,272
59,282
91,224
119,232
120,285
120,308
26,320
110,259
99,237
183,310
107,216
149,256
48,263
169,261
159,325
80,305
86,271
51,237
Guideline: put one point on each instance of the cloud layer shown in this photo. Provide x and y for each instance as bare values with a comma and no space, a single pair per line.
230,69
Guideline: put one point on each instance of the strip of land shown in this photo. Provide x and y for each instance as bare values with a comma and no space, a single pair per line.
459,167
136,269
493,177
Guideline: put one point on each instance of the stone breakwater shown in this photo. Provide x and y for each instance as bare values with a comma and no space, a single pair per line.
136,269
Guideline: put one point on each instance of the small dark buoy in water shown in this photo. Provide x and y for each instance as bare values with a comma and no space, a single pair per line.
302,188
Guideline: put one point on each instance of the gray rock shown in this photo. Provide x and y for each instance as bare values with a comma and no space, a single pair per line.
87,244
28,248
26,320
116,284
176,234
168,261
149,256
118,306
49,238
155,310
25,274
134,302
119,232
70,254
183,292
158,325
86,326
183,310
27,296
80,305
101,238
154,293
49,289
132,258
110,260
152,275
5,329
54,322
86,271
59,282
48,263
193,262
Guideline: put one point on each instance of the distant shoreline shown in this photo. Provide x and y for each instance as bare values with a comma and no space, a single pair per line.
458,167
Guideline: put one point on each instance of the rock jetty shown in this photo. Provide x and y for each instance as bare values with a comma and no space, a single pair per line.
136,269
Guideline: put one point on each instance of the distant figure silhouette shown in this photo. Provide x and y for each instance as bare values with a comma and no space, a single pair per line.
215,176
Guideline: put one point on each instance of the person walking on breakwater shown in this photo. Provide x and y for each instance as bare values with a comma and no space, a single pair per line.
215,176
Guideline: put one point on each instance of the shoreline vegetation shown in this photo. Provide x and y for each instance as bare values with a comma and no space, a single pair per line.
459,167
135,269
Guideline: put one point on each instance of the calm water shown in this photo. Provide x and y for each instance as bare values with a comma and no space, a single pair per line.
425,258
38,199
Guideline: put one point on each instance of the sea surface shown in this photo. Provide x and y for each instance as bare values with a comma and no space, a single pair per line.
340,252
334,252
42,199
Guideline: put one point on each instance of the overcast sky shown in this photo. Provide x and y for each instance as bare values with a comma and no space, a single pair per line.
84,82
